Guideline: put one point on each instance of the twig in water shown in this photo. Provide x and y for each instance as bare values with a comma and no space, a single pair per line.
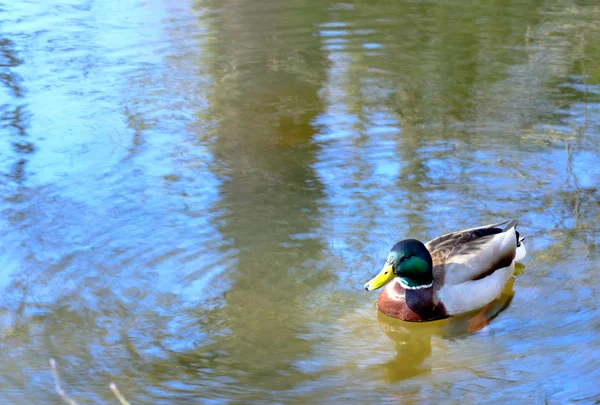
57,386
120,397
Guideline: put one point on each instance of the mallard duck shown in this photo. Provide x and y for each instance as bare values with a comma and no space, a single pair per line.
450,275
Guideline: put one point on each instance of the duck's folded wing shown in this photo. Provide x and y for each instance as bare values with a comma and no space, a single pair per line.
474,253
464,236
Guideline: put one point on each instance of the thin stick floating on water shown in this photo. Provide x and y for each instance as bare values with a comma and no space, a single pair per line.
120,397
57,386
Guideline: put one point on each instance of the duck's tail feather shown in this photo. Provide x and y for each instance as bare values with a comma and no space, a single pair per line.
521,251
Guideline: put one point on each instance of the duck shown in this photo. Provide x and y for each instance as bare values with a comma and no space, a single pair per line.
450,275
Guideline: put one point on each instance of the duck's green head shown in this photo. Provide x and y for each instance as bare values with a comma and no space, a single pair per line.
410,261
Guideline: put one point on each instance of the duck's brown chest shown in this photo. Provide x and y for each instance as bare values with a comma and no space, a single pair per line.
410,305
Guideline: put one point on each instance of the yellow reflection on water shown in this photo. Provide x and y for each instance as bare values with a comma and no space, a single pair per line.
413,341
359,351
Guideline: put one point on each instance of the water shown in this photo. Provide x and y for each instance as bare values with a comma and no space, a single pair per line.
193,194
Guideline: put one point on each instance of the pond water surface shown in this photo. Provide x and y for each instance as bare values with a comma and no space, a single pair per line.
192,195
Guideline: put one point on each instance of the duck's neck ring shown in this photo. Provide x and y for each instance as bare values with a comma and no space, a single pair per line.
410,285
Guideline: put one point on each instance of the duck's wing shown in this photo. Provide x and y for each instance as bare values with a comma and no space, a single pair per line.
474,253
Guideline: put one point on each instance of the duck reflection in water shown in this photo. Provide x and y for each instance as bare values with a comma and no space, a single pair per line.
413,341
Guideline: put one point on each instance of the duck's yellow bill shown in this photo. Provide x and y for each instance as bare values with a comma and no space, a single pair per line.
384,277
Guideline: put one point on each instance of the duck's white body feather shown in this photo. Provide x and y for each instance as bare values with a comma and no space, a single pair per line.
474,294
